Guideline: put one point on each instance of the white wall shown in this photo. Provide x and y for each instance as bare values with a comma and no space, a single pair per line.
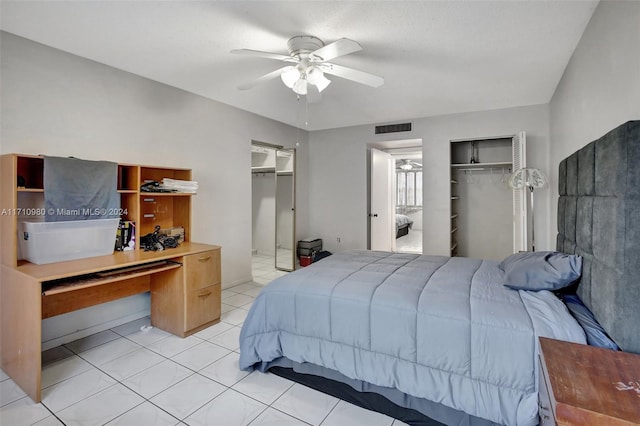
56,103
600,88
338,173
485,225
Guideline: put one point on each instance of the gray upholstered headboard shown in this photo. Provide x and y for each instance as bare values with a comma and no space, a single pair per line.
599,219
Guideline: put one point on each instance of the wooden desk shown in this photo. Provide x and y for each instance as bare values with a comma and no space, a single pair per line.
185,297
585,385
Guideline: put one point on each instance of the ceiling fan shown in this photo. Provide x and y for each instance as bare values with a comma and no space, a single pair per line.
308,57
406,165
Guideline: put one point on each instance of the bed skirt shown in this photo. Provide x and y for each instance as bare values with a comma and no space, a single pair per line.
406,408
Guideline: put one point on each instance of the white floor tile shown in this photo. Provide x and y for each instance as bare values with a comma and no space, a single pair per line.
101,407
92,341
189,395
145,414
77,388
271,417
10,392
262,280
306,404
213,330
265,388
132,327
253,292
238,300
228,293
173,345
64,369
23,411
225,370
274,275
226,308
199,356
349,414
398,423
229,409
234,317
3,376
131,363
242,288
109,351
49,421
148,336
55,354
158,378
229,339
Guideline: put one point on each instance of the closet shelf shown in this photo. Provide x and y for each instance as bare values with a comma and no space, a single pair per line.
30,190
453,216
483,166
285,173
263,169
454,230
455,198
454,181
454,246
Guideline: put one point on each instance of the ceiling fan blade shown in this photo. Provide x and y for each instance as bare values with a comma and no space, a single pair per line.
260,54
266,77
353,75
313,94
341,47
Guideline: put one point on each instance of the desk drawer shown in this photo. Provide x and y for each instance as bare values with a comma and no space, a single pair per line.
202,269
203,306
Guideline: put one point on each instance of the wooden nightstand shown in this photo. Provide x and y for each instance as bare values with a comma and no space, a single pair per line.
585,385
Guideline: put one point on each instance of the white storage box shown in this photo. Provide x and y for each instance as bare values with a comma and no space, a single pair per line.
49,242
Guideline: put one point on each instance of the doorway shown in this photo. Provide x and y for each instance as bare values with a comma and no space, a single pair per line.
395,196
273,210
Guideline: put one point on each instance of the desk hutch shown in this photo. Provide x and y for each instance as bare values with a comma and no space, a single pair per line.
184,282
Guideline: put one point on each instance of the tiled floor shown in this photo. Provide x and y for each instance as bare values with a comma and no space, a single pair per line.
140,376
263,269
410,243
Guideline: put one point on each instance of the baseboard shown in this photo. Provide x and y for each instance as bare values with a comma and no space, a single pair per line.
68,338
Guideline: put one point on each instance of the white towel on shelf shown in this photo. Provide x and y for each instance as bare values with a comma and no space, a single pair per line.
188,186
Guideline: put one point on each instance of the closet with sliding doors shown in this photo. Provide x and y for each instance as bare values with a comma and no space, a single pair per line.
273,203
488,218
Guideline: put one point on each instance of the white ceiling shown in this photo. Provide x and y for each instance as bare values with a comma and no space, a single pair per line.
437,57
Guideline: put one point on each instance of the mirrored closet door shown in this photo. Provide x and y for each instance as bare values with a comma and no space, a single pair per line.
285,209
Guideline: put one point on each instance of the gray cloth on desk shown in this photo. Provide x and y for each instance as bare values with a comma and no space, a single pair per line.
77,189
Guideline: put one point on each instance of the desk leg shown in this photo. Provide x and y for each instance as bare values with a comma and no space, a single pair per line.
21,330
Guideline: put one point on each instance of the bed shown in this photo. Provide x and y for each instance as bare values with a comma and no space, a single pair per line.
403,225
436,340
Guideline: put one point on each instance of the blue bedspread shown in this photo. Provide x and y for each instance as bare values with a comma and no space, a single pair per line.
439,328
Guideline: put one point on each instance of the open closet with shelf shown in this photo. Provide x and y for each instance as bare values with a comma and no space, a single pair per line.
485,214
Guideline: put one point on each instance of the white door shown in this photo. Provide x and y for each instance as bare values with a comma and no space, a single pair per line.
382,214
519,160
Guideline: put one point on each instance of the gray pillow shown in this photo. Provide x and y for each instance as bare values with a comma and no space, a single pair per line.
541,270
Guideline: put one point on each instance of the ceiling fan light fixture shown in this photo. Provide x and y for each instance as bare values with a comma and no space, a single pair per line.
290,77
300,86
322,83
406,166
314,75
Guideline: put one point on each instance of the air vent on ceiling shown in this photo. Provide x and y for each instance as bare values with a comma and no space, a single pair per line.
393,128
